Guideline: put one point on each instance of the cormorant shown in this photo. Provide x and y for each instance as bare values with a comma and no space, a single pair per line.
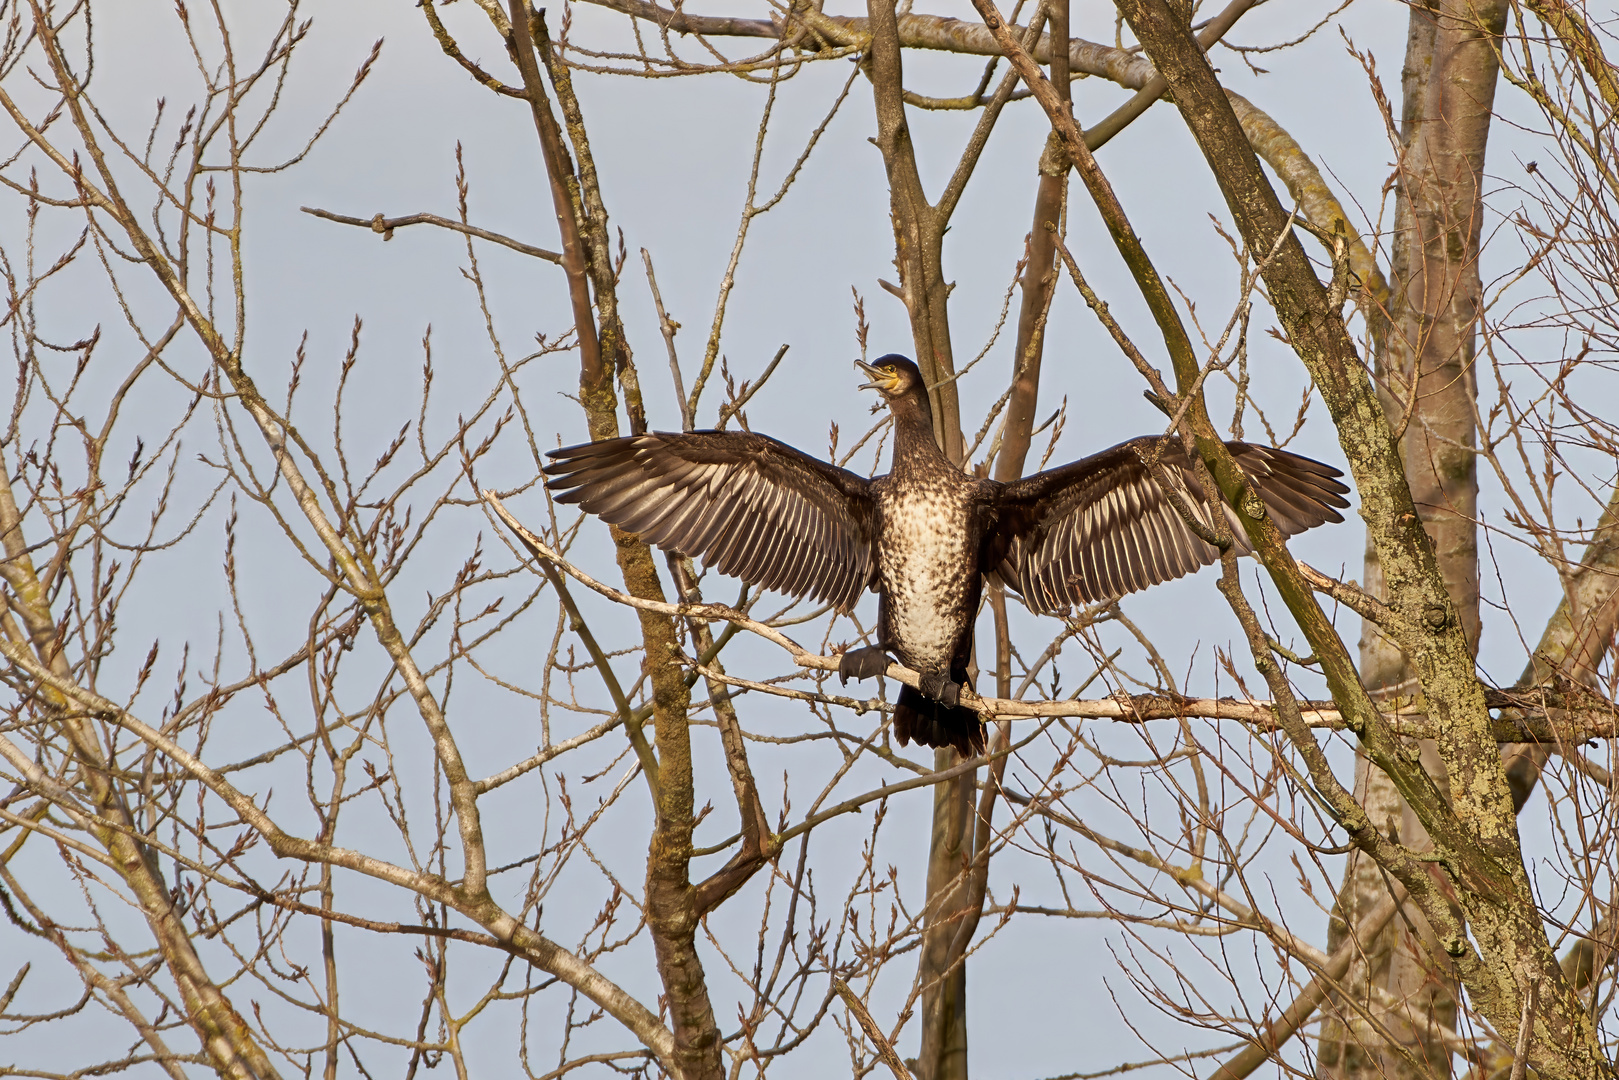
925,535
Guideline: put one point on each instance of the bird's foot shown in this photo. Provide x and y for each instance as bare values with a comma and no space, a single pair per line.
942,690
862,663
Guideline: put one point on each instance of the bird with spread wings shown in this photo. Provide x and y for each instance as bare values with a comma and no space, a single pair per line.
925,535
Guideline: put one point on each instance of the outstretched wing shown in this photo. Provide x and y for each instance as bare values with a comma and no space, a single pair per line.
1104,526
745,504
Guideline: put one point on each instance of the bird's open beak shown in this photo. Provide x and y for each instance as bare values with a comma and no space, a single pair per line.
880,379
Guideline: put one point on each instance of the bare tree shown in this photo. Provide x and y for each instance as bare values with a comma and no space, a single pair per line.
439,784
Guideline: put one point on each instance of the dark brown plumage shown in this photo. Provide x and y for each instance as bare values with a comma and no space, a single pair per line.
925,535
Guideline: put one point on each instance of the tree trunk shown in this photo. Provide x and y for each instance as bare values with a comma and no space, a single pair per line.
943,1053
1424,356
918,255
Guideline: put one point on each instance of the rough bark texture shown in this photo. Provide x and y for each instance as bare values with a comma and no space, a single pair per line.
1424,359
1504,951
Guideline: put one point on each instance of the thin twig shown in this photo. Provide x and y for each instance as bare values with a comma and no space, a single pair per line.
1520,1056
386,226
668,327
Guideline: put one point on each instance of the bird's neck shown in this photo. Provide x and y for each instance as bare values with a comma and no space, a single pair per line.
915,447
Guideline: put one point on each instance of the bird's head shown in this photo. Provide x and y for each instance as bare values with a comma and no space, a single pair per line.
894,376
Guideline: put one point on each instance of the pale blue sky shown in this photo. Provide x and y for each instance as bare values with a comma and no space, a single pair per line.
673,155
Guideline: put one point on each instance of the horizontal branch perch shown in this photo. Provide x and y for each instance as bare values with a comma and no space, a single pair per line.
386,226
1552,716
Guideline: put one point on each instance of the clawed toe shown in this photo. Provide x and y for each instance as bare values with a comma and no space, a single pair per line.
862,663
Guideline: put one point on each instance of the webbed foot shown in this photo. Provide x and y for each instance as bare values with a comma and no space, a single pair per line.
862,663
942,690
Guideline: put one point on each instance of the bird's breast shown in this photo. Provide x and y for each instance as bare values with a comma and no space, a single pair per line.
927,562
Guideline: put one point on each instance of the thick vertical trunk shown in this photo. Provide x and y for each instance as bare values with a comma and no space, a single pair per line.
943,1053
918,255
1502,953
956,869
1424,357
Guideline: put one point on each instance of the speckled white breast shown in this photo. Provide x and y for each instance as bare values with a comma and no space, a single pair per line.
926,563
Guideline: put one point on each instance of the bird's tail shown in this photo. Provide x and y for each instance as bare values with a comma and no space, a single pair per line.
933,723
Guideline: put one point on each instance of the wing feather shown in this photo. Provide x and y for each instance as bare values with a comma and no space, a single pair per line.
1102,527
1152,530
745,504
772,546
752,531
686,507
